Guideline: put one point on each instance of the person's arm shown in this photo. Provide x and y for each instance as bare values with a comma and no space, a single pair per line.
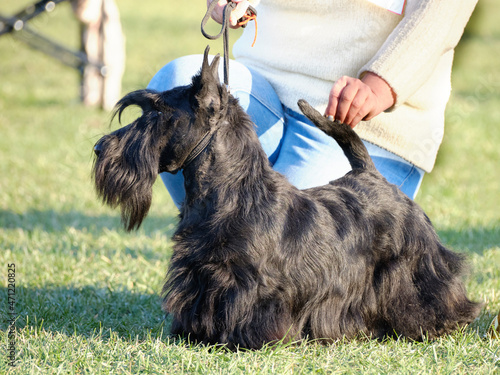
429,29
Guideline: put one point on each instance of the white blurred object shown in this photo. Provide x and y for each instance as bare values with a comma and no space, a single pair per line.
102,41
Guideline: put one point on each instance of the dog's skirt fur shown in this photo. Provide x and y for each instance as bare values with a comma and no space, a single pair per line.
258,261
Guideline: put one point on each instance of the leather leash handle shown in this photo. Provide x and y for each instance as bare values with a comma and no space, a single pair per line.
230,6
251,13
224,32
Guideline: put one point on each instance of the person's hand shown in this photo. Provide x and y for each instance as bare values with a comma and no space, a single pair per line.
236,14
352,100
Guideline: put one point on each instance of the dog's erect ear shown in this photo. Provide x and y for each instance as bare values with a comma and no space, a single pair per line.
207,85
210,71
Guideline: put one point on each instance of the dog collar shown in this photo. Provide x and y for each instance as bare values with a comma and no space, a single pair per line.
200,147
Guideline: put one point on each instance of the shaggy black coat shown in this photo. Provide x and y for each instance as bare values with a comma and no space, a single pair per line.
256,260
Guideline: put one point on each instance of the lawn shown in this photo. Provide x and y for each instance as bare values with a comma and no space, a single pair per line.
87,293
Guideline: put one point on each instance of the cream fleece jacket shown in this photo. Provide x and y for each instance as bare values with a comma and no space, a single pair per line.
303,47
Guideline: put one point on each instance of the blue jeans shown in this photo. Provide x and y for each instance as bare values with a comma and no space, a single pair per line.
294,146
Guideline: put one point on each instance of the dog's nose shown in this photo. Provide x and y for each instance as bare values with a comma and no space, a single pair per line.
97,148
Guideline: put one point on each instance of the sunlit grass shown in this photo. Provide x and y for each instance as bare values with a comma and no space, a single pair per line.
88,294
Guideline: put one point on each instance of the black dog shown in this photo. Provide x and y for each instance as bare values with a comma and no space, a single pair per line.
257,260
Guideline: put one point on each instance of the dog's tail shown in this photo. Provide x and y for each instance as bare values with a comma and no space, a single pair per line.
348,140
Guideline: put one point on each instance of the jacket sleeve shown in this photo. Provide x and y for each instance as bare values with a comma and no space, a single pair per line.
428,30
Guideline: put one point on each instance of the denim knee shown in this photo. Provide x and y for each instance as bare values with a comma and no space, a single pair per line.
178,72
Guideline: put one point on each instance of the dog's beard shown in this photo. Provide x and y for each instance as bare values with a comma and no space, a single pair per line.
124,174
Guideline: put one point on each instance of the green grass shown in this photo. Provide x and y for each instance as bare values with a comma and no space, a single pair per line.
88,293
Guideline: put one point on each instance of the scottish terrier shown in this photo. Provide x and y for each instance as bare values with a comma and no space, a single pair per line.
258,261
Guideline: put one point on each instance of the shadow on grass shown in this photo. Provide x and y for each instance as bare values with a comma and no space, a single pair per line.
89,311
53,221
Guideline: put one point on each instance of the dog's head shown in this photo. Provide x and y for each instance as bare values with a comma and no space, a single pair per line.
128,160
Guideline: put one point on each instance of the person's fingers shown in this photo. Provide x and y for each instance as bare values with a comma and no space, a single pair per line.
236,14
345,101
333,99
217,12
359,106
371,114
351,100
366,110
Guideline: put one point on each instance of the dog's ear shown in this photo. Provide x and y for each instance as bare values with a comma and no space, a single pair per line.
207,88
146,99
210,71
